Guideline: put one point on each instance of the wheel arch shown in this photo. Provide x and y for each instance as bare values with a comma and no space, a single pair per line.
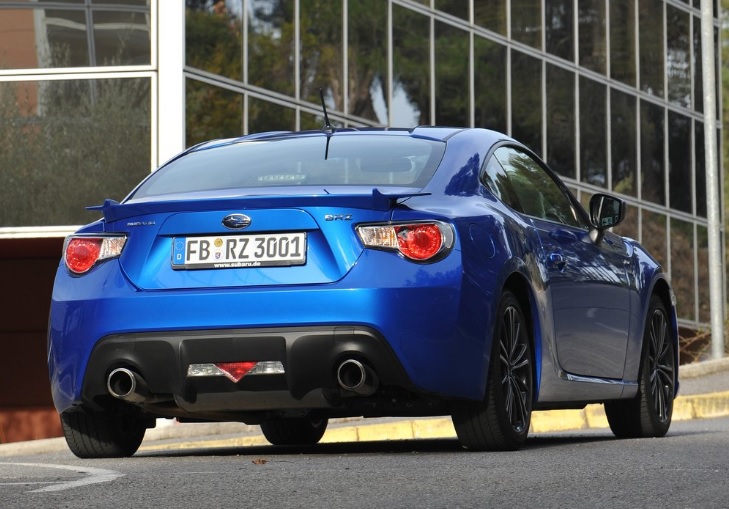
663,291
519,285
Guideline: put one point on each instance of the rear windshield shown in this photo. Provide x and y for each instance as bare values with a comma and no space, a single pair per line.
371,160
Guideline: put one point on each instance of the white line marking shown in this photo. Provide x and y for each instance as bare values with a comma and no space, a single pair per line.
94,476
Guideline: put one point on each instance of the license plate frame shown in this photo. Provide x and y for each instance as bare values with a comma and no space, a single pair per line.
239,251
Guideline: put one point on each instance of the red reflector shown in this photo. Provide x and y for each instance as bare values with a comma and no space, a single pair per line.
81,254
235,370
419,241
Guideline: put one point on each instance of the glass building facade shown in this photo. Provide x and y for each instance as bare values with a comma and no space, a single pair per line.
96,93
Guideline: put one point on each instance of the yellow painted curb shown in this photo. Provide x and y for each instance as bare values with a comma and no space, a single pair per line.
546,421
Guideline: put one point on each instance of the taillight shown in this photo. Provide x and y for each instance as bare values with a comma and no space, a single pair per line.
82,252
421,242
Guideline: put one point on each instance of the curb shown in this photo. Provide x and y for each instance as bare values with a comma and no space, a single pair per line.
549,421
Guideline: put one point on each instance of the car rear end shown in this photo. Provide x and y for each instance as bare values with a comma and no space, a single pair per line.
266,275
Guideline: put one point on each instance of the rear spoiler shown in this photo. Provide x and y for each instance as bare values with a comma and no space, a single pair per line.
377,200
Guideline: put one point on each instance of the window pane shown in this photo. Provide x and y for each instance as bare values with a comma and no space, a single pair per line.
321,62
679,162
561,120
651,46
526,100
43,38
538,194
652,164
526,22
367,69
121,38
457,8
491,14
411,79
213,40
622,41
211,113
451,69
700,170
654,236
592,37
490,84
678,41
267,116
593,132
702,246
623,143
71,144
559,25
270,46
682,267
698,68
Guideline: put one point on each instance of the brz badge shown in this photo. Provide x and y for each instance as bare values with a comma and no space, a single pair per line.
338,217
236,221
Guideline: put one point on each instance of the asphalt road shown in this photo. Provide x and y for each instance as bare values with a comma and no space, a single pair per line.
688,468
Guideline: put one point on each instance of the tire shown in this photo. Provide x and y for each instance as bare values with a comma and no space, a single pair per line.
501,423
649,413
294,431
114,433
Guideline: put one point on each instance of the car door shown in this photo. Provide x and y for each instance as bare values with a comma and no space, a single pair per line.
586,281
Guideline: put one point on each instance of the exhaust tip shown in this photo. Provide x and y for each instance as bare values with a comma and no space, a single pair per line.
354,376
126,385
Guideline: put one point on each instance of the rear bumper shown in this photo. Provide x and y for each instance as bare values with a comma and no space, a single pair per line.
309,355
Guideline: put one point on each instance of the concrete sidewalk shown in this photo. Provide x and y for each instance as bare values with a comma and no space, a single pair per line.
704,393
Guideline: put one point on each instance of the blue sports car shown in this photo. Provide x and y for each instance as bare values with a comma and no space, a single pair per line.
284,279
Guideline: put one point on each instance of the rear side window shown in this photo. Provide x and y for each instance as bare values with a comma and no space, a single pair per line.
523,184
318,160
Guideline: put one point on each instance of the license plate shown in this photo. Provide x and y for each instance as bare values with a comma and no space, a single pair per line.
239,251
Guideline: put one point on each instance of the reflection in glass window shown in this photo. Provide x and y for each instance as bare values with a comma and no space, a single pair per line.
211,113
559,28
650,13
321,62
678,57
526,22
593,132
367,63
268,116
490,14
213,35
698,67
700,162
457,8
411,65
679,162
538,193
526,100
270,46
77,35
451,67
682,267
702,265
70,144
489,62
622,41
592,37
654,236
121,38
652,167
561,120
623,145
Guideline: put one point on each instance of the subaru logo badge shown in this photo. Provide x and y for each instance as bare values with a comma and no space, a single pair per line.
236,221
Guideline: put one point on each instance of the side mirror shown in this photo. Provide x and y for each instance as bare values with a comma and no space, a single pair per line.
605,212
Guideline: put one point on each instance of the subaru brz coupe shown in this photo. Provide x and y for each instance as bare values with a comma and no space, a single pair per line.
288,278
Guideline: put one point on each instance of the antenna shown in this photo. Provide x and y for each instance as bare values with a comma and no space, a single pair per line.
327,126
